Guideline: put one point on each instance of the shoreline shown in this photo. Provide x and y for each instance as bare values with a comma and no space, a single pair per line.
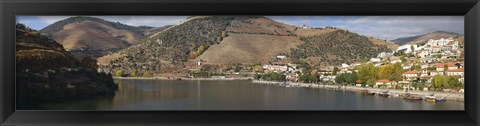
179,78
459,97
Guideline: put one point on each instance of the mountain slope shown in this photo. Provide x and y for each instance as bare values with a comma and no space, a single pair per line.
392,46
421,39
46,72
89,33
335,48
224,40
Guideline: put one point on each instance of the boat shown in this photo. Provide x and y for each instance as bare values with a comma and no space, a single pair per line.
383,94
441,99
412,97
430,98
396,95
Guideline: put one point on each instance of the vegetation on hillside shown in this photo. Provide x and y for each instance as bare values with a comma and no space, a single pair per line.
169,50
57,26
46,73
336,47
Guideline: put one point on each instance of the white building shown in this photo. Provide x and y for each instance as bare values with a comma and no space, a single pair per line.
384,54
281,57
455,72
375,60
344,65
408,48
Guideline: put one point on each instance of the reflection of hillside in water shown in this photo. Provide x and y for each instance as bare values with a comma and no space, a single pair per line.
134,91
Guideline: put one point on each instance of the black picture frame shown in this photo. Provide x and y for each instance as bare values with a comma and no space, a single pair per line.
10,8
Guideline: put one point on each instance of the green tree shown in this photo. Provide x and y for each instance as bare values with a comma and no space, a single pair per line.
119,73
313,78
371,82
133,74
439,82
258,68
445,67
403,59
335,70
351,78
366,72
257,76
340,78
147,74
453,82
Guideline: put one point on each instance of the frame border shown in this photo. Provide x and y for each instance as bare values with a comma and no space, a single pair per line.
10,8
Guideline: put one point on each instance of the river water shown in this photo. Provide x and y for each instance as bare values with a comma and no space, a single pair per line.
239,95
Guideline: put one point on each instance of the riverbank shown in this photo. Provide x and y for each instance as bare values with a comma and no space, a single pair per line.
449,96
180,78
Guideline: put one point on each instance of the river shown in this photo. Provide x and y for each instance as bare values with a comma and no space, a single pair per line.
239,95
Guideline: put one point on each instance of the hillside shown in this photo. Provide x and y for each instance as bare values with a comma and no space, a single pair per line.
247,48
156,30
93,36
422,39
335,48
392,46
224,40
405,40
46,72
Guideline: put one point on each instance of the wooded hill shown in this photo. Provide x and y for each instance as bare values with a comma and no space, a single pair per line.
336,48
47,73
238,40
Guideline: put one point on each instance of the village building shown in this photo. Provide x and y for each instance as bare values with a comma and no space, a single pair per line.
375,60
441,66
281,57
455,72
410,75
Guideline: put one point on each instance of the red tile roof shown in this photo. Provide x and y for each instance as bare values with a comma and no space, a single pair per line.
411,72
383,81
456,70
441,65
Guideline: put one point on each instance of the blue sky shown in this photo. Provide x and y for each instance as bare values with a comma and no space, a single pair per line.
382,27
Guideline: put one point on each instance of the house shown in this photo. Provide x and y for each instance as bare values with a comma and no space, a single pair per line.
408,48
441,66
410,75
384,54
455,72
375,60
276,68
433,73
281,57
407,66
395,61
383,82
344,65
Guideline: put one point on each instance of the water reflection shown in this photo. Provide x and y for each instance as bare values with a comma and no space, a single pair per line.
239,95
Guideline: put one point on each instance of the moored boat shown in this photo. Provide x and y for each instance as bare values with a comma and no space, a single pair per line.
412,97
430,98
383,94
441,99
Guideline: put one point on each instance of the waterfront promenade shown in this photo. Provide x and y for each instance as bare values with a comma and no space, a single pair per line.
450,96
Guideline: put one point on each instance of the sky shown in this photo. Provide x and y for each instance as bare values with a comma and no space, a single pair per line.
382,27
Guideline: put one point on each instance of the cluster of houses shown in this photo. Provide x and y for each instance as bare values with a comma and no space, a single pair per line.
436,57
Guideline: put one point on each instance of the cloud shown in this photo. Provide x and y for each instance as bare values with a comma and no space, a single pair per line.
39,22
155,21
383,27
